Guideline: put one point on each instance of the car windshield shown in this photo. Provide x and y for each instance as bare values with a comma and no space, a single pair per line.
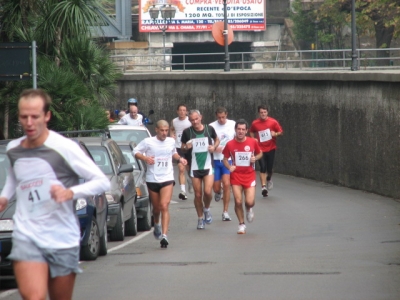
129,135
101,158
126,150
4,164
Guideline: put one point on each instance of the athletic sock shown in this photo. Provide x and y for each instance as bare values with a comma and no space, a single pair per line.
183,188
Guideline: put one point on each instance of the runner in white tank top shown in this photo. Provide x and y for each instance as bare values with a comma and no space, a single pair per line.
177,126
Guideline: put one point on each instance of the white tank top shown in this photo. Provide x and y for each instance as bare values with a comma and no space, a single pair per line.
180,126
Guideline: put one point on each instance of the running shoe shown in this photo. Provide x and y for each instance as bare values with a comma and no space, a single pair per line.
270,185
200,224
217,196
225,216
250,215
182,195
207,216
157,231
164,241
241,229
264,191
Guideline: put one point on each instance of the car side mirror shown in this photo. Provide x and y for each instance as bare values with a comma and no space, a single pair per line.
125,168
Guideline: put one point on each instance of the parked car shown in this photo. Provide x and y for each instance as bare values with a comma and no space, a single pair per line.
122,196
91,212
143,204
120,133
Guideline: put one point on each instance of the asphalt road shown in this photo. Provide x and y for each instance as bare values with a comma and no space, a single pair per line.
309,240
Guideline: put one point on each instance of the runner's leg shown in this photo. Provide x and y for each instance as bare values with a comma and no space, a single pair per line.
208,185
198,195
32,279
237,194
249,195
62,287
165,199
226,182
155,201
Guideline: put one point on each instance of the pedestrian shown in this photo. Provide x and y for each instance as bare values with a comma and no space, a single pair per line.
225,130
121,114
200,141
158,152
134,102
266,130
132,118
179,124
109,116
45,172
243,151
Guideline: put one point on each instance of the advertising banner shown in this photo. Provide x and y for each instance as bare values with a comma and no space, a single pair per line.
200,15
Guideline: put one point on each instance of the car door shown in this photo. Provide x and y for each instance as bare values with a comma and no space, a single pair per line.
125,179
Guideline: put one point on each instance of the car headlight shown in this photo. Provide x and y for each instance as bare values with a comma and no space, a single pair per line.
6,225
110,198
81,203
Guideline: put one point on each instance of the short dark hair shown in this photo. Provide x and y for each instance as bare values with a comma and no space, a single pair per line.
179,105
221,110
31,93
241,122
262,106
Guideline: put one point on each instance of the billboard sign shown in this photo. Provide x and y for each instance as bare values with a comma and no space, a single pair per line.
200,15
15,63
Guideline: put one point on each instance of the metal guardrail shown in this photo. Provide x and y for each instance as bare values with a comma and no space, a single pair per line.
376,58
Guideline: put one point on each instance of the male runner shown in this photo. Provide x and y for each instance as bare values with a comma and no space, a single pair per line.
244,151
225,130
179,124
157,152
44,173
198,141
132,118
266,129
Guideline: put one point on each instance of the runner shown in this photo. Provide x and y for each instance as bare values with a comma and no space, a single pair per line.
45,172
198,140
244,151
225,130
177,126
266,129
133,118
157,152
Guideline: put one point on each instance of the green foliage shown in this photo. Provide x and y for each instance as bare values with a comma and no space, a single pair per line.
73,69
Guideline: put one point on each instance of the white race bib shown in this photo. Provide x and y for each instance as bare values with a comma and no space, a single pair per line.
36,198
200,145
242,159
265,135
161,165
178,137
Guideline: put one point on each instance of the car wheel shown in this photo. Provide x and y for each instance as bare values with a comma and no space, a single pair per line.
117,233
103,242
91,250
131,224
144,224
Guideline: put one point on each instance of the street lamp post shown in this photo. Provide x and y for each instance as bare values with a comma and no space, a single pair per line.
354,63
227,64
167,14
316,43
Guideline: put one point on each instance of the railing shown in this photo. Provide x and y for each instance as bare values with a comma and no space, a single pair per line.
388,58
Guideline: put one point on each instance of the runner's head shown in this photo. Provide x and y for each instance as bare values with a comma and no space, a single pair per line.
195,118
263,112
221,113
133,111
241,128
182,111
162,129
34,113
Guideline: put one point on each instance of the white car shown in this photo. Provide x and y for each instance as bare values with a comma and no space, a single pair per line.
135,134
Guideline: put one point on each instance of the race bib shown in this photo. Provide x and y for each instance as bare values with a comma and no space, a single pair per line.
178,137
242,159
161,165
265,135
36,198
200,145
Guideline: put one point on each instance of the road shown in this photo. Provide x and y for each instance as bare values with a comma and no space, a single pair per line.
309,240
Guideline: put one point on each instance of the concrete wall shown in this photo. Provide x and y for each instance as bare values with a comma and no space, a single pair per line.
339,127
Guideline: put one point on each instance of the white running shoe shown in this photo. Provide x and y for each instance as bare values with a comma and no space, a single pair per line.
217,196
225,216
250,215
207,216
270,185
157,231
241,229
200,224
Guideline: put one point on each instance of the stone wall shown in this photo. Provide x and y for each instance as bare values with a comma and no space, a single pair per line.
340,127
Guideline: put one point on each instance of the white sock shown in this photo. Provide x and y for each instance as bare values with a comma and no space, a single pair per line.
206,209
183,188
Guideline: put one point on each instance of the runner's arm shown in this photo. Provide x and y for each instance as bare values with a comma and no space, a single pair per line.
10,185
172,130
